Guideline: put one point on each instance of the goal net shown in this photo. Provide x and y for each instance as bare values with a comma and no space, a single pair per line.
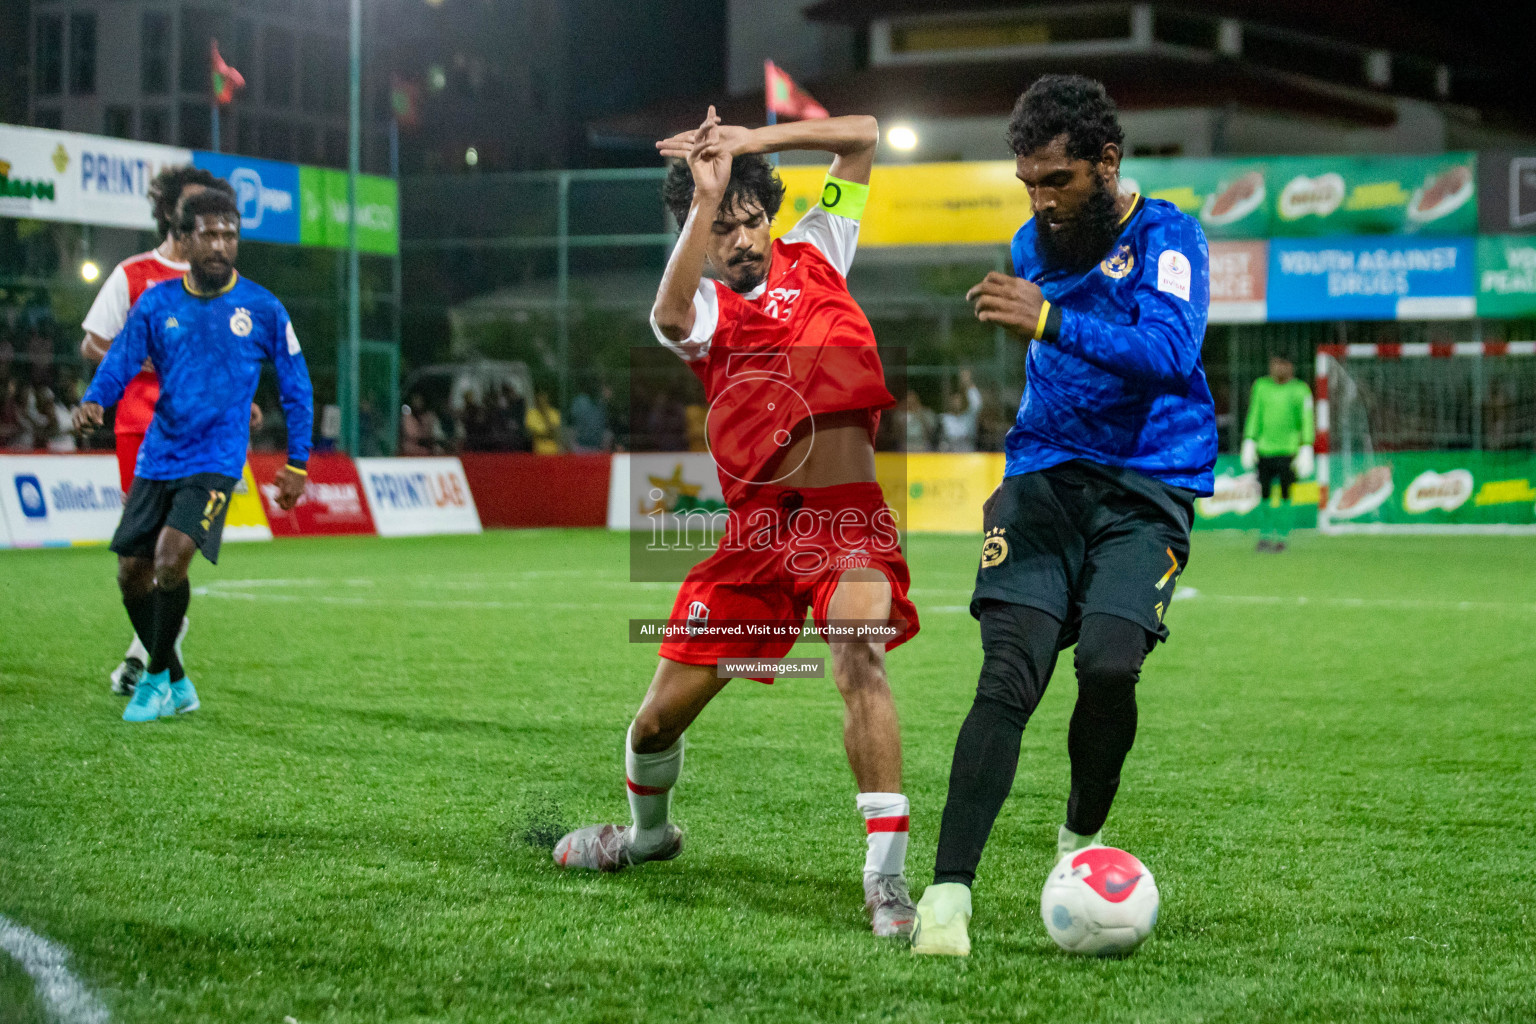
1427,437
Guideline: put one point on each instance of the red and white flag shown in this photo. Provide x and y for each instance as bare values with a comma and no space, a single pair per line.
786,99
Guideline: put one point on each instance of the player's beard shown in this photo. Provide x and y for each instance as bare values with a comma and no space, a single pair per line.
747,273
1085,239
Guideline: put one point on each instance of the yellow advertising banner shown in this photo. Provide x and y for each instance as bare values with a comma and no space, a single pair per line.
922,204
939,492
246,519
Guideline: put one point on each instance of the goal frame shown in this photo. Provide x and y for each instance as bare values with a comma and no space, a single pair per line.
1323,447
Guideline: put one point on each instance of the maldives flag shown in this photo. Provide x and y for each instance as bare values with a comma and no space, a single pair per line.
405,101
225,78
787,99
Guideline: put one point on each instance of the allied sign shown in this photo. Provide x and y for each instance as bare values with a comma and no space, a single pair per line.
60,500
82,179
1371,279
413,497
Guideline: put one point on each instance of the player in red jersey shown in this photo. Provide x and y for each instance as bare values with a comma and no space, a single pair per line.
128,280
795,386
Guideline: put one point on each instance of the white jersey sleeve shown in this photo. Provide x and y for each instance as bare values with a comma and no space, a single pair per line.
706,315
836,237
109,312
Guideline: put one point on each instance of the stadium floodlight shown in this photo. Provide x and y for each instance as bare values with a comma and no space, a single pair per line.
471,156
89,271
901,137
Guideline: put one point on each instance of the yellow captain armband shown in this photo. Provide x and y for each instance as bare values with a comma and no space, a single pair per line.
290,467
1045,312
844,198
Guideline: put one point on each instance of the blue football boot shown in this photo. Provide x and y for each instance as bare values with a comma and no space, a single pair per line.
184,696
151,698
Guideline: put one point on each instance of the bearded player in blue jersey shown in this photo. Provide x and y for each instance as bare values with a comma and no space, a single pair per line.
1115,438
208,334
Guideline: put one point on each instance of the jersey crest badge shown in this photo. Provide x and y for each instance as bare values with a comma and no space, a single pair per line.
171,321
994,549
240,322
1118,263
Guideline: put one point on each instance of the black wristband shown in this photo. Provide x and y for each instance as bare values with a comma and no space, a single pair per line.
1052,328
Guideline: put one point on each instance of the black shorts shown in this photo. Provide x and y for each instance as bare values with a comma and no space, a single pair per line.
1081,538
195,505
1276,468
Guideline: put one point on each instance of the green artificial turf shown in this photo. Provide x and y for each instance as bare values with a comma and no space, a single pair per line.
1333,785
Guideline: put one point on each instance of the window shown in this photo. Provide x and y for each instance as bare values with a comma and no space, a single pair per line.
118,122
276,139
82,53
306,144
155,124
336,148
277,67
52,118
245,138
196,129
50,55
155,53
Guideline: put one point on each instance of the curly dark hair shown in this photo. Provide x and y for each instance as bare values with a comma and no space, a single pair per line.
165,190
1069,105
214,202
752,178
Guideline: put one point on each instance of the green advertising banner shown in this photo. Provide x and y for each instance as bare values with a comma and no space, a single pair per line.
1407,489
1396,489
323,207
1282,197
1374,195
1230,198
1234,505
1506,276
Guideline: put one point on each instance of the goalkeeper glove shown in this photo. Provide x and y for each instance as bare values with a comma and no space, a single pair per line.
1250,456
1304,463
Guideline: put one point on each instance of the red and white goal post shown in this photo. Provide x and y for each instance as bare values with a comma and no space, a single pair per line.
1426,438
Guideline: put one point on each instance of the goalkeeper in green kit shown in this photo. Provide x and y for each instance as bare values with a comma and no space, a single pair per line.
1277,442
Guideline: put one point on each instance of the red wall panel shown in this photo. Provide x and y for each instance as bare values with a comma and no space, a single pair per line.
539,490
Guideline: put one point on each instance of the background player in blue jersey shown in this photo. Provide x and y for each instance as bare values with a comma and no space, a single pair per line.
1115,437
208,334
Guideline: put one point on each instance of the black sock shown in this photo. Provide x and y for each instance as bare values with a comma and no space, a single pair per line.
141,612
170,607
1109,656
1019,648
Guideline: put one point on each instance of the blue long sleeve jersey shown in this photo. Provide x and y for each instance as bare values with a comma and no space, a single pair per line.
1114,375
208,351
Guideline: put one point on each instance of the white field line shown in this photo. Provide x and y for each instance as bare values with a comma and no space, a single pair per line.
64,996
261,590
1302,601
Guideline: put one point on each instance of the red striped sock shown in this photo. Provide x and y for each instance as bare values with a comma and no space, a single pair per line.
649,779
886,823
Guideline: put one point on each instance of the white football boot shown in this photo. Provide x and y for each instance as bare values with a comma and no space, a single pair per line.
608,848
943,917
889,904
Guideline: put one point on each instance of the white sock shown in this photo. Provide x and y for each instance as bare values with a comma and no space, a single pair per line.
137,650
650,779
886,822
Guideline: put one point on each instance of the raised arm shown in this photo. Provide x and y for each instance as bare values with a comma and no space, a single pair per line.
851,139
711,166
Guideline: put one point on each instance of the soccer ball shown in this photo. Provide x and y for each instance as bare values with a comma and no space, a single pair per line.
1100,902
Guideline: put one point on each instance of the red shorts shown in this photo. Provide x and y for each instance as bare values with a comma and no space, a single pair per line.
784,555
127,457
